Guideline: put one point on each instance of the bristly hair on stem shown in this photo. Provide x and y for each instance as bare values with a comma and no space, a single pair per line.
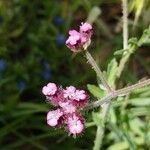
125,23
110,91
98,71
125,36
123,91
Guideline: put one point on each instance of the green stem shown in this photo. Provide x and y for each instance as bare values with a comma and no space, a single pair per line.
125,58
98,71
122,64
101,128
125,23
98,139
117,93
99,136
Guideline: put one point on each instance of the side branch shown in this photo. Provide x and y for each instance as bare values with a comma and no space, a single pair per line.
116,93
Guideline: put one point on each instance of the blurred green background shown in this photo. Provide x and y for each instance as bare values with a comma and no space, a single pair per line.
33,53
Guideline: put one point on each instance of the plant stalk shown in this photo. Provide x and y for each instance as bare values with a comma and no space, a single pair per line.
125,58
117,93
98,71
105,110
125,23
101,128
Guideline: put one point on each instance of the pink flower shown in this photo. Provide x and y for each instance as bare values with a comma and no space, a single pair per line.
69,101
78,41
81,99
85,27
57,97
67,107
80,95
74,33
75,124
49,89
69,92
78,98
86,31
74,40
53,117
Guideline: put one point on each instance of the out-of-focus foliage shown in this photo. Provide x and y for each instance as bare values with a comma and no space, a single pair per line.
32,53
137,6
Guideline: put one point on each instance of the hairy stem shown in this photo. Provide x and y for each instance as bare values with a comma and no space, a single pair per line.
125,23
125,58
100,102
120,69
117,93
133,87
99,73
125,37
101,128
98,138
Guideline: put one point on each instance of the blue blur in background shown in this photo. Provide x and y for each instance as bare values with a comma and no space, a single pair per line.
47,72
2,65
58,20
60,39
21,84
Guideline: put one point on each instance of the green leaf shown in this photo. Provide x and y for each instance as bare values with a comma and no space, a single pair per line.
136,126
133,41
95,90
90,124
113,116
111,72
96,116
139,111
119,52
140,101
145,37
119,146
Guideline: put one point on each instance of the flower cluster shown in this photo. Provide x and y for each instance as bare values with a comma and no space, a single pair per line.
79,40
68,102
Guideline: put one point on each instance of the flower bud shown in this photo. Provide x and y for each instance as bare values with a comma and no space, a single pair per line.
78,41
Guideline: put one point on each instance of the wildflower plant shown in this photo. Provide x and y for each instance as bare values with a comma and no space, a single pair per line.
70,101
